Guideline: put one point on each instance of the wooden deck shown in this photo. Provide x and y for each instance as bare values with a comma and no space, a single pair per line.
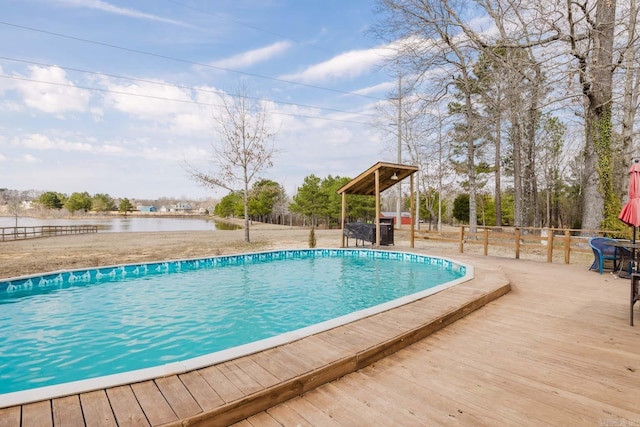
234,390
557,350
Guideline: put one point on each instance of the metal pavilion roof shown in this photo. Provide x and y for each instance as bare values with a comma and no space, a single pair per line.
390,174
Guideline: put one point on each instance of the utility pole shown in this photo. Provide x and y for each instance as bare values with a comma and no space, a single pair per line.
399,190
439,184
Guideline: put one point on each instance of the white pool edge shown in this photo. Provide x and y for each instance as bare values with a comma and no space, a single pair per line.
174,368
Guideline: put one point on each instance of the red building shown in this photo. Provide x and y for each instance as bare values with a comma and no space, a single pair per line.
404,216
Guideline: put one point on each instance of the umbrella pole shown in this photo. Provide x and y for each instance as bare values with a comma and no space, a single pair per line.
633,252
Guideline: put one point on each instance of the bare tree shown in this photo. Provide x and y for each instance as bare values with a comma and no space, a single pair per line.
243,148
430,39
549,149
595,67
631,83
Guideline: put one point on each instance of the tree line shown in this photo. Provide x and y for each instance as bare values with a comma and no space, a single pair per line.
538,103
82,201
315,203
527,120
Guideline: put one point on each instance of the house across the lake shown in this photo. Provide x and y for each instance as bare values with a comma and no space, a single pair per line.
178,208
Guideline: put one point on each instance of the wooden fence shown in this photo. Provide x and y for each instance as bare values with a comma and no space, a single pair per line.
21,233
552,242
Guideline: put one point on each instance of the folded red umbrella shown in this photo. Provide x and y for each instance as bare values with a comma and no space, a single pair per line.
630,213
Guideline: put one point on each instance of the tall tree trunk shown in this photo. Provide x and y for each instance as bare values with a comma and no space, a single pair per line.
471,157
246,208
516,135
631,85
599,200
533,119
498,167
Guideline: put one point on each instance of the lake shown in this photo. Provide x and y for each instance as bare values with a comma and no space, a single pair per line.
125,224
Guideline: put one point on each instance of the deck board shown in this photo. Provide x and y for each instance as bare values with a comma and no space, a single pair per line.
347,338
35,415
178,397
274,366
262,419
413,396
347,409
257,372
315,350
204,395
245,383
301,409
125,407
378,402
227,391
291,360
153,403
97,410
10,417
67,412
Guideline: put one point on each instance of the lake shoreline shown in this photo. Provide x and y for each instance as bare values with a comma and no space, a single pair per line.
110,214
133,223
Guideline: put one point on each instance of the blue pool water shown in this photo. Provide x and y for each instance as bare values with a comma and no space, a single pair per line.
72,326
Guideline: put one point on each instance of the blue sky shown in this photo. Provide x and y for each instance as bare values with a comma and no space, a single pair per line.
69,71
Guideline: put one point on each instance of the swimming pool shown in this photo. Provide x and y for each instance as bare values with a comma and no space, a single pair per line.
132,322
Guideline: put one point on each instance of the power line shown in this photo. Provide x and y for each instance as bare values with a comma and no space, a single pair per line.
244,24
184,101
217,92
185,61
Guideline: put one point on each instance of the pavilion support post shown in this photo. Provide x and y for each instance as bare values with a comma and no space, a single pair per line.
412,209
344,217
377,185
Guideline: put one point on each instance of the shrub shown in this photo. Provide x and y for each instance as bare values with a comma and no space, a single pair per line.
312,238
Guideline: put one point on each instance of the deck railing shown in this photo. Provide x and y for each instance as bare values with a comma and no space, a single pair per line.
21,233
558,243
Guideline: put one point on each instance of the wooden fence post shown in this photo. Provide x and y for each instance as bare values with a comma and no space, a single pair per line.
549,244
462,239
486,241
567,246
517,242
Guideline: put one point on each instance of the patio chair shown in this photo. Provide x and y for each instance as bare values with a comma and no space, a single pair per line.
603,252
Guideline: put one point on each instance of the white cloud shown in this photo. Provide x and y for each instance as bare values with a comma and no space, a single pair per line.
28,158
2,158
195,124
11,106
347,65
59,95
44,142
173,109
148,100
110,8
86,145
97,114
112,149
247,59
384,87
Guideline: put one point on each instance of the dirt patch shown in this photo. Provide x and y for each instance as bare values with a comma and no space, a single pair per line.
41,255
25,257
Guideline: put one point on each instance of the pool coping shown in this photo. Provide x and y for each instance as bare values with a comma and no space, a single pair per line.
180,367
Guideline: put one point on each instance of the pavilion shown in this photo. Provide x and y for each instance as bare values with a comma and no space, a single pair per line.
372,182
